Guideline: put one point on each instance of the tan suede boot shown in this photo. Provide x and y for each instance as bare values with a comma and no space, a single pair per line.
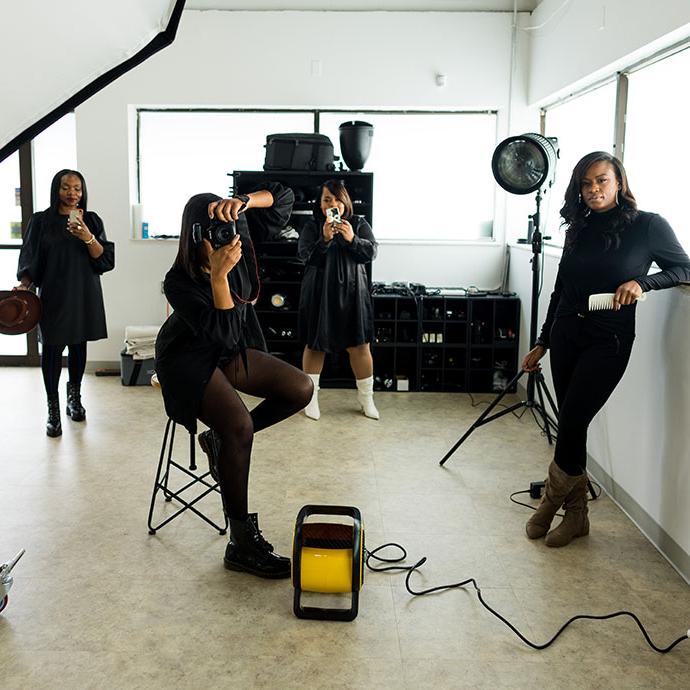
575,523
558,485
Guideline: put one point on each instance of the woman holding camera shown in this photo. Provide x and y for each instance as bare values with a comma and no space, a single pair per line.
609,248
211,347
64,253
335,311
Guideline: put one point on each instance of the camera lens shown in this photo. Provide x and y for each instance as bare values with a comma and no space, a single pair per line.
222,234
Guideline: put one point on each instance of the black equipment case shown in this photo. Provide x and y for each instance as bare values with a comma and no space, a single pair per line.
299,152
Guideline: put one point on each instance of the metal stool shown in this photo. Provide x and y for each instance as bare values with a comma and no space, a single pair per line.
200,480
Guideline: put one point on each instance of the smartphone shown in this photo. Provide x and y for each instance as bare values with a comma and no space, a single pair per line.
333,214
74,216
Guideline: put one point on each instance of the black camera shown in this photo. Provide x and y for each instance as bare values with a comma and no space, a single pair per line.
217,233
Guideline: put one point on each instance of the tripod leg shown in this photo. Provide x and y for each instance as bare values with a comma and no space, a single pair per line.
483,416
539,382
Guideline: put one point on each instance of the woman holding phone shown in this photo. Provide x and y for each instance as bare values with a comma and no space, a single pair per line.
335,311
64,253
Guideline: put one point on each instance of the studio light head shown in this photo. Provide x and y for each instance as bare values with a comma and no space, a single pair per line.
525,163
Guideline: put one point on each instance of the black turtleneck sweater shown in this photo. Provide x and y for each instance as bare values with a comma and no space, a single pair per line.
589,268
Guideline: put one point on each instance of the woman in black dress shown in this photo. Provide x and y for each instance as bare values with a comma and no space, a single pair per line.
335,311
64,253
212,346
609,248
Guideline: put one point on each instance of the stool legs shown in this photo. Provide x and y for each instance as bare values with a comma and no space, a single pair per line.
199,481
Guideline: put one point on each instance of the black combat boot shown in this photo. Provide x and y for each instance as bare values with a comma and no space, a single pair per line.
54,426
75,409
248,551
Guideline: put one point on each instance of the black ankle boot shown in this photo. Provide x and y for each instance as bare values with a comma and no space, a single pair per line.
54,426
75,409
210,444
248,551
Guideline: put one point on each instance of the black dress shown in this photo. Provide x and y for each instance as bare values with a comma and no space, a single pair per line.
198,337
335,310
68,279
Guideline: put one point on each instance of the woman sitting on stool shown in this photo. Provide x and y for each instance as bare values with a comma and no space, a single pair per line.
212,346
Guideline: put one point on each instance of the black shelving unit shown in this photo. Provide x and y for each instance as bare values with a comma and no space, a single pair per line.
463,343
280,269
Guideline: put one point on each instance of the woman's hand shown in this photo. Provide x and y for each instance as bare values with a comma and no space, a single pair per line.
227,209
627,293
531,361
346,231
224,259
328,230
79,228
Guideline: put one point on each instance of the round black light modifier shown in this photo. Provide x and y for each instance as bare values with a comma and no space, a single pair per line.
525,163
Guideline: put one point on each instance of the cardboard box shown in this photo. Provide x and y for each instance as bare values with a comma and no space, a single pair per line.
136,372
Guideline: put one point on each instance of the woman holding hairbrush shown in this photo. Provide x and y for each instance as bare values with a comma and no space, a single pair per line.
590,324
335,310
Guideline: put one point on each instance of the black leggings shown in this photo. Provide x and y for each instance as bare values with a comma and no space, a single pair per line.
586,365
285,390
51,364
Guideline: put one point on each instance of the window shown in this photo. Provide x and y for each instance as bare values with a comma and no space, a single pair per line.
582,125
432,173
186,153
10,207
657,149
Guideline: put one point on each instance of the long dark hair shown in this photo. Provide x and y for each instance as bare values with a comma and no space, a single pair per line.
338,190
195,211
575,212
55,190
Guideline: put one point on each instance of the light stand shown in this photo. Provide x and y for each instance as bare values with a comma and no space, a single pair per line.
535,379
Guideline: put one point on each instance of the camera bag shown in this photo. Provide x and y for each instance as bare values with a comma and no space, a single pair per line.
299,152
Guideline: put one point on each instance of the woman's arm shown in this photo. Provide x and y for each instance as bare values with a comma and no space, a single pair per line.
101,251
544,338
669,255
363,247
311,246
29,267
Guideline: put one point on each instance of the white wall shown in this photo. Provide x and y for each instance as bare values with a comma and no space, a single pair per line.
591,37
369,60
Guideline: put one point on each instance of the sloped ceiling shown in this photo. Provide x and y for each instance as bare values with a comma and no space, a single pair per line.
55,55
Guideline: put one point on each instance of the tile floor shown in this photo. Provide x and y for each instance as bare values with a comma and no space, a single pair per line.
98,603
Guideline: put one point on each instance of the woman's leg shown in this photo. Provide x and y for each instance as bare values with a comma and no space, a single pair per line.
51,366
312,364
76,363
285,389
362,364
223,411
361,361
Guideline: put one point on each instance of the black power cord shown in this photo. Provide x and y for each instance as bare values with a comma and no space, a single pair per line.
412,568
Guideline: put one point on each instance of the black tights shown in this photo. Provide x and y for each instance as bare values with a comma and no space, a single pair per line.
285,390
586,366
51,364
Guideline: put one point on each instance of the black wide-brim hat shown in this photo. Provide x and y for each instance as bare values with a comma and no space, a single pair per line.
20,311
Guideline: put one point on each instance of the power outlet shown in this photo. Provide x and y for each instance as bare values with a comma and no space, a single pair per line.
536,489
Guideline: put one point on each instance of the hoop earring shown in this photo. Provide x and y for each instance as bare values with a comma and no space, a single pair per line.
617,204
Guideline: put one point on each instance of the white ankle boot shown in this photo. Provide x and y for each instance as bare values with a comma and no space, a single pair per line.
365,397
312,409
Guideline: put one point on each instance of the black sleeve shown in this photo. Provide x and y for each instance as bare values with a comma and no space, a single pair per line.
363,247
311,248
195,307
669,255
265,223
31,260
545,335
106,261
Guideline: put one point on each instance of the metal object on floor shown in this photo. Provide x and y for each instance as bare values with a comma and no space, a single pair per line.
328,558
197,479
6,579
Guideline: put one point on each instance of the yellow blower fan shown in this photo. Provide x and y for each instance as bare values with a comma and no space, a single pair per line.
328,558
